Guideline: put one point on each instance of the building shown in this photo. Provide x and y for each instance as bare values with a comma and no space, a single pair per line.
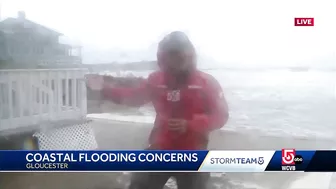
26,44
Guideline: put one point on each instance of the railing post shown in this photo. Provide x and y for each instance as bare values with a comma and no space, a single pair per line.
50,96
20,94
59,93
66,92
30,95
39,87
83,95
10,99
74,90
2,98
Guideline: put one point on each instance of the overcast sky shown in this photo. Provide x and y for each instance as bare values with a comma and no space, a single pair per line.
258,31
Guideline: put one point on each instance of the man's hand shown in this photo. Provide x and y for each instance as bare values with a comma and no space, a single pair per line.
95,82
177,125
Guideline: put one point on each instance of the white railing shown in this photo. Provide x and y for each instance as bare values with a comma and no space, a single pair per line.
32,97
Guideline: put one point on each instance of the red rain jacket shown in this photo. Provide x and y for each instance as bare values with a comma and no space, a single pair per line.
200,101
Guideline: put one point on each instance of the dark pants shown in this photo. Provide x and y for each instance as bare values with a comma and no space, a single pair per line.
158,180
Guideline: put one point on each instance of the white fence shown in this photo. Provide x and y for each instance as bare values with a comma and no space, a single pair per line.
32,97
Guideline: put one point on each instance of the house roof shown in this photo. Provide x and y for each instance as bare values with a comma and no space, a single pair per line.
11,21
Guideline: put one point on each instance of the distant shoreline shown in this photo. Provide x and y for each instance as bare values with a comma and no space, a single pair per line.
152,65
147,67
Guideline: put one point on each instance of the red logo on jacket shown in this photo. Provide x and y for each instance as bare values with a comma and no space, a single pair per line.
174,96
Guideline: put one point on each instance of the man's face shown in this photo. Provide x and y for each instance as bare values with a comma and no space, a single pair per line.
176,61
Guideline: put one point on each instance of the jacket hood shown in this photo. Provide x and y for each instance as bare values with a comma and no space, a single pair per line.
180,43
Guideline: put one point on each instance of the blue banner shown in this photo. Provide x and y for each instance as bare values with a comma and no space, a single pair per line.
152,161
137,160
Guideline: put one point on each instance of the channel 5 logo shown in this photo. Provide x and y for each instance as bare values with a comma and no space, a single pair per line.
288,156
289,159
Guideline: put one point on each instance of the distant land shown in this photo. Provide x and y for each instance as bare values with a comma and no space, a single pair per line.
152,65
143,65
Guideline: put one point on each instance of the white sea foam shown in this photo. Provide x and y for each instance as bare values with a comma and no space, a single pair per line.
128,118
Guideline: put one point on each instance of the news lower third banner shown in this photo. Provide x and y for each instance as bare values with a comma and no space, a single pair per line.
161,161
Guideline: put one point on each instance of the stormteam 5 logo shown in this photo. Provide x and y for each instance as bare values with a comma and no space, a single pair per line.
289,159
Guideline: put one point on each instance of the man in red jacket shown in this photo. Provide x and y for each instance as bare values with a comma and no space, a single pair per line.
189,104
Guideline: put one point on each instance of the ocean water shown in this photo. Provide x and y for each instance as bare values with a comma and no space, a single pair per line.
273,103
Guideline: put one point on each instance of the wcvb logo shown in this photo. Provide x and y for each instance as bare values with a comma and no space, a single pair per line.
303,21
288,156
